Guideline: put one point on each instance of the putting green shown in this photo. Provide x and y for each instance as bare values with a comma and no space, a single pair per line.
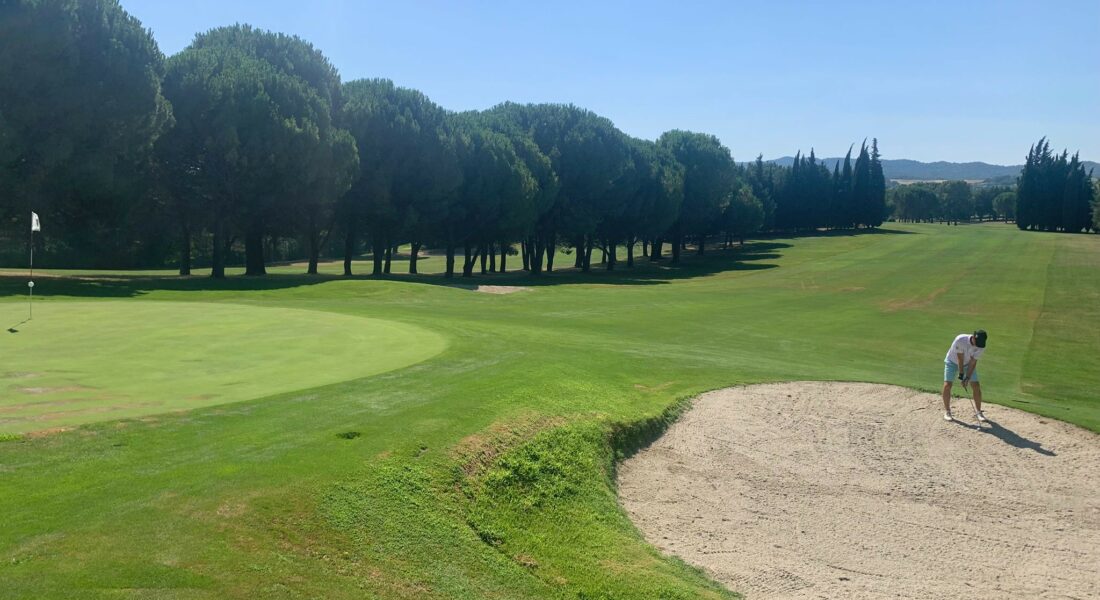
79,362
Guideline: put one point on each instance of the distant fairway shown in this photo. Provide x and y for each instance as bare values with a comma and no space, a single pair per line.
485,471
78,362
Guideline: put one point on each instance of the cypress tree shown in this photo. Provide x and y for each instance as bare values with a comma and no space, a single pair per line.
861,187
1027,189
878,188
834,217
844,191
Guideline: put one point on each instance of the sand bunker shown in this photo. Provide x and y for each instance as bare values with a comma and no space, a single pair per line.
848,490
492,289
501,289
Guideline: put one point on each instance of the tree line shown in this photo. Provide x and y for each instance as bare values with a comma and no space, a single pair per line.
951,202
1054,193
247,145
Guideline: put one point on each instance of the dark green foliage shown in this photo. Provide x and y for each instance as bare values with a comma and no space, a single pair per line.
408,167
284,140
589,155
1004,205
269,146
983,197
915,203
956,201
250,143
709,175
80,108
1054,193
876,200
1096,205
744,215
498,194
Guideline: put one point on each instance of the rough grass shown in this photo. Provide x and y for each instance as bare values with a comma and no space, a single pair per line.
487,470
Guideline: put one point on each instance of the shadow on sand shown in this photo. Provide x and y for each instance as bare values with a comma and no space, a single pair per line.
1016,440
1007,436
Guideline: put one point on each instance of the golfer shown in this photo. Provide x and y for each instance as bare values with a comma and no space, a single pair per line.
962,361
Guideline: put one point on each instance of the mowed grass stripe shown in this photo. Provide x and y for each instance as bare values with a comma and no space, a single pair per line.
264,498
1061,368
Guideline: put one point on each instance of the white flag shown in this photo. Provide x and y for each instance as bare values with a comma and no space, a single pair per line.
35,226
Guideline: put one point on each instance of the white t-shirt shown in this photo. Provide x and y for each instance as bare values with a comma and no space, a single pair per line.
962,344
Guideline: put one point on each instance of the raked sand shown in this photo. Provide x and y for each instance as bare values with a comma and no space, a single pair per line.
851,490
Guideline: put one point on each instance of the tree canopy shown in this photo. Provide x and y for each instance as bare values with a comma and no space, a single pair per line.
268,144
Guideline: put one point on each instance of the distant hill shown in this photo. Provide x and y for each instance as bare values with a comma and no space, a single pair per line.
914,169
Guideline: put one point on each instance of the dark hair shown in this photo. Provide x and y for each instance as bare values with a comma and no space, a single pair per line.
979,337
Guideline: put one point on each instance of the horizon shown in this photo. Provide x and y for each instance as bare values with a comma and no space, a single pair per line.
955,85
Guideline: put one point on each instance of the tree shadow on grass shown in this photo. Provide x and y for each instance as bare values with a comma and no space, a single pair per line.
753,256
131,286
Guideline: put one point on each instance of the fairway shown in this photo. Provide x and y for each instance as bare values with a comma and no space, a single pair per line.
78,362
488,469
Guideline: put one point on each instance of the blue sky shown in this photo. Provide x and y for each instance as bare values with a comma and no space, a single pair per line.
955,81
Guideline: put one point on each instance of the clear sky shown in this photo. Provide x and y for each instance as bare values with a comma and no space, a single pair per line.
957,81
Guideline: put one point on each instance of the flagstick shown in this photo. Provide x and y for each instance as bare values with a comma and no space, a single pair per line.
30,284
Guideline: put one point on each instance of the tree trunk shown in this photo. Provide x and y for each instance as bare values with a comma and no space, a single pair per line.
523,255
217,268
536,258
702,245
349,250
377,255
655,249
630,254
314,247
450,271
414,257
185,249
503,255
483,254
677,245
587,254
611,255
492,258
468,263
254,251
578,249
389,259
645,248
551,252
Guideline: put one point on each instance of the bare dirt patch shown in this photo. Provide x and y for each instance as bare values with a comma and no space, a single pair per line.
53,390
849,490
501,289
912,303
491,289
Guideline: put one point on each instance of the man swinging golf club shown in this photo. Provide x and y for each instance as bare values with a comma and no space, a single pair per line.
962,361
